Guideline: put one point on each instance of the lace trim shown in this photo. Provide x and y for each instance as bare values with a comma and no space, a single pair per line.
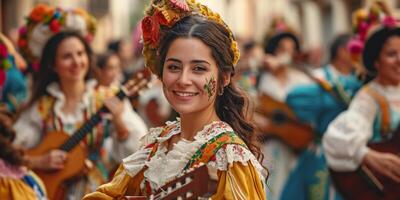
236,153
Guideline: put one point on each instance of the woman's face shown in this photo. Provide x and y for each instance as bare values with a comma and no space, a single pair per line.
72,61
111,71
388,63
286,46
190,76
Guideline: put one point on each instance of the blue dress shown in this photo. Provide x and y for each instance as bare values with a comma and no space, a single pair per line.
316,106
14,91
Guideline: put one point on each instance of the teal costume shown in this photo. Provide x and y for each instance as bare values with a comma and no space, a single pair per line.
315,105
14,90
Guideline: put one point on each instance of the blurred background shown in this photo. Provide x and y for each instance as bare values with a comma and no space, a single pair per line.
317,21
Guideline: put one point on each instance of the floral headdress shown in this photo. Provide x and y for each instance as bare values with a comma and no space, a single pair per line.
45,21
164,14
365,22
277,30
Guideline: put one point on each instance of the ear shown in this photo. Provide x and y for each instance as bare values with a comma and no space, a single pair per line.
376,64
226,79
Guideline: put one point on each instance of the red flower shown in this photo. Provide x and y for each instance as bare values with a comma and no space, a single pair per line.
2,77
160,18
22,43
151,29
55,26
3,51
39,12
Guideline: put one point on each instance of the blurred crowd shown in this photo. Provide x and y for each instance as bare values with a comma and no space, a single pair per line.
309,113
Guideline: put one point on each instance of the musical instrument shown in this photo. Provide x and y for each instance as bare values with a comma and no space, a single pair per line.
367,184
283,124
193,184
72,144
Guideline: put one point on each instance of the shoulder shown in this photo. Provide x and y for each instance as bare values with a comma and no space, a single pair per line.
160,133
236,153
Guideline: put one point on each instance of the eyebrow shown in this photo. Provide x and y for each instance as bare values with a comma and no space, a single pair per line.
192,61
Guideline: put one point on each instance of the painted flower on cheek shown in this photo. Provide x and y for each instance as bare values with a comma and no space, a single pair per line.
210,86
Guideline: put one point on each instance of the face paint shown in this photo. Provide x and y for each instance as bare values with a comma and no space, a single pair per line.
210,86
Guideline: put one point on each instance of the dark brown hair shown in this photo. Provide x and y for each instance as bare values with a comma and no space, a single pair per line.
46,73
7,135
232,105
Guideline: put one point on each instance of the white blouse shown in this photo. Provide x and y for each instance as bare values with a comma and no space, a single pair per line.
345,141
271,86
29,127
165,166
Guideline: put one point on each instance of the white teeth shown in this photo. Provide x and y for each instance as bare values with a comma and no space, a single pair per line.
185,94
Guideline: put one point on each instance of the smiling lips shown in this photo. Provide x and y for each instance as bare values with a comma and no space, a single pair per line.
184,94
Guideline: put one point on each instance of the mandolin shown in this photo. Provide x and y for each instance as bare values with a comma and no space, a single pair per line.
367,184
77,153
194,184
283,124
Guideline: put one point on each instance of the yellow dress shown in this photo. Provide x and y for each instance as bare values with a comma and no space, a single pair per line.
239,175
18,183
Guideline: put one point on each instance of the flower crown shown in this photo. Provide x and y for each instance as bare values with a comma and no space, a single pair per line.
165,13
365,22
45,21
279,25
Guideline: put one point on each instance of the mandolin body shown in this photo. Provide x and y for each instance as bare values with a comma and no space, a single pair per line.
74,164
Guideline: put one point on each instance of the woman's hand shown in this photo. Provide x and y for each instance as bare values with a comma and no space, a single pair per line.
53,160
116,108
271,62
387,164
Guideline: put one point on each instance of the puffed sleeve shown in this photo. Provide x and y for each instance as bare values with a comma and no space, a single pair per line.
345,141
137,129
239,182
240,176
28,128
117,188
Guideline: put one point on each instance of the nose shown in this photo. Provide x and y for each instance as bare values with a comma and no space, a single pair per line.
75,59
184,78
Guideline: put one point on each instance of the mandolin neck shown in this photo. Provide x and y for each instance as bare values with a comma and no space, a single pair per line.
95,119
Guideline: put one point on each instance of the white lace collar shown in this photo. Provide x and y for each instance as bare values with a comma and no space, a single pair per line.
54,90
165,166
388,91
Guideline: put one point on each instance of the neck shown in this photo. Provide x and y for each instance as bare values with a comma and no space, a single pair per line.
386,82
341,66
72,91
195,122
281,73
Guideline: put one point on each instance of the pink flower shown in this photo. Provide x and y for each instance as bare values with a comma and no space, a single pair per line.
355,46
389,21
3,51
363,30
181,4
35,66
22,30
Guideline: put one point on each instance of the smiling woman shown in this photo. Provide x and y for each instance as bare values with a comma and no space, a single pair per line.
63,99
193,53
372,117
